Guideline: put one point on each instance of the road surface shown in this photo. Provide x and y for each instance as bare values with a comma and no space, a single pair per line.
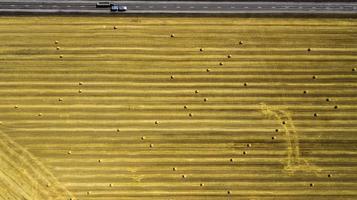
179,7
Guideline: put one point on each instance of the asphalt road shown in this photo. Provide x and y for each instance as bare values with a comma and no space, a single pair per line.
177,7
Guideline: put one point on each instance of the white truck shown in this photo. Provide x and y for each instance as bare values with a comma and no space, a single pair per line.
114,7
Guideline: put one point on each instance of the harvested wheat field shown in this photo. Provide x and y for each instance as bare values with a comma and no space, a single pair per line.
178,108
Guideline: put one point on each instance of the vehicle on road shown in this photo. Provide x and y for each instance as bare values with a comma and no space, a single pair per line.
103,4
117,7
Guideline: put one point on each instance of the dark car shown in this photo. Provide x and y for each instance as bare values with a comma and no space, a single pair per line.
117,7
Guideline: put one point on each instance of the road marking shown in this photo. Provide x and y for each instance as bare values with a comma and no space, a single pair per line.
26,5
12,5
164,7
246,7
69,6
178,6
192,7
151,6
54,6
273,7
232,7
137,6
219,7
259,7
205,7
81,6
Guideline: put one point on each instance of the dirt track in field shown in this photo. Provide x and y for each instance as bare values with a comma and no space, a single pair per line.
178,108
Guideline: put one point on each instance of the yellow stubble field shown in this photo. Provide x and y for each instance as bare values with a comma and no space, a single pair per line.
178,108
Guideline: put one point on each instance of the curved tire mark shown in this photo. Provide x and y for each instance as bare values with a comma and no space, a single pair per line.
294,162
